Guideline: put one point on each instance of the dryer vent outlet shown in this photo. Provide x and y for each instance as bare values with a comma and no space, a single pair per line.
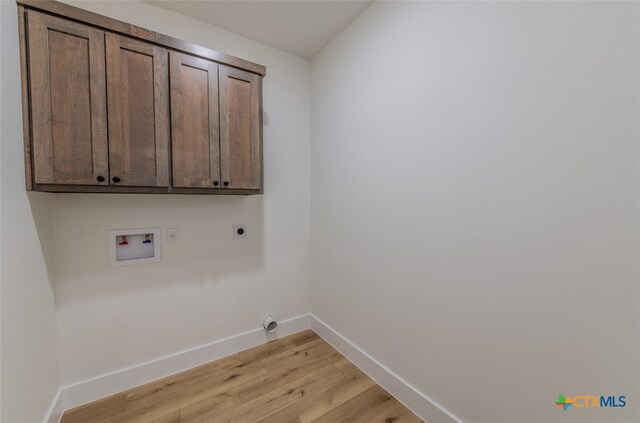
269,324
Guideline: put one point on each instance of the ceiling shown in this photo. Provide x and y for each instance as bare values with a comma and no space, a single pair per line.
301,28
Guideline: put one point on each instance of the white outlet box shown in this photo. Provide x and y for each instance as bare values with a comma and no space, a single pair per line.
239,231
172,235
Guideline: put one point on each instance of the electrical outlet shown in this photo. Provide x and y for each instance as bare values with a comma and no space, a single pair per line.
239,231
172,236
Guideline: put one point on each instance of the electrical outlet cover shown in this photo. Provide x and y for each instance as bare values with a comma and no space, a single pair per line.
172,235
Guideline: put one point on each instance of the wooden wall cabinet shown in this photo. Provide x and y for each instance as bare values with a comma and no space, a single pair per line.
240,128
111,107
138,107
195,132
68,101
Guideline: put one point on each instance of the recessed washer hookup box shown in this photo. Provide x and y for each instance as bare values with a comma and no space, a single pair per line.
134,246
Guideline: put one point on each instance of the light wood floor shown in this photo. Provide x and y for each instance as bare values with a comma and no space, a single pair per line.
299,378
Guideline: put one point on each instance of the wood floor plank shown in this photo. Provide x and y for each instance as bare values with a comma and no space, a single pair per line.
200,374
280,376
105,410
177,395
173,417
362,408
318,404
286,415
305,352
397,413
247,397
278,398
342,363
205,409
303,337
299,378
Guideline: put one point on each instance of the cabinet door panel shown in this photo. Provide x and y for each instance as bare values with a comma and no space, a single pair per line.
195,134
138,104
67,74
240,129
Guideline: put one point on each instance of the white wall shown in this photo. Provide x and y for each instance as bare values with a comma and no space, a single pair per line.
29,361
208,286
475,192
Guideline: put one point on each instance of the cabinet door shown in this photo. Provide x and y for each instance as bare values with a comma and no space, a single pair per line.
68,104
195,134
240,129
138,105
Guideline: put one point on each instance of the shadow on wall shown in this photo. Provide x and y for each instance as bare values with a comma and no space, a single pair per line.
41,205
206,252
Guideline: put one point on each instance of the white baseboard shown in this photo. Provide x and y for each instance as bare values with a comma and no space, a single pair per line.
121,380
54,414
103,386
416,401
